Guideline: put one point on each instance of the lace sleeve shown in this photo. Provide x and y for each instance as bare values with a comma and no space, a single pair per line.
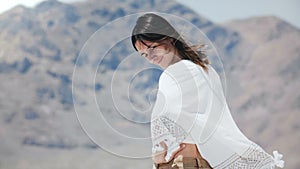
166,130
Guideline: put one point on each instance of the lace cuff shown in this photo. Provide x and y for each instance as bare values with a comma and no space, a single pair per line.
166,130
277,159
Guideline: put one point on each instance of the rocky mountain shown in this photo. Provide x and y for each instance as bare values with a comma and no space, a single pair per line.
41,46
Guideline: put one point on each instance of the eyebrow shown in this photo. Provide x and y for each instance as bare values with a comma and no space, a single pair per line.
144,43
148,46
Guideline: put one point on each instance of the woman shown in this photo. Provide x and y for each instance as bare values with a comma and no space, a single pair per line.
191,124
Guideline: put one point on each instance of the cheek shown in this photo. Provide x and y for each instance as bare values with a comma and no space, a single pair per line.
168,56
165,60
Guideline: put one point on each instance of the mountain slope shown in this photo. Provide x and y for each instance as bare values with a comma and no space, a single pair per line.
39,47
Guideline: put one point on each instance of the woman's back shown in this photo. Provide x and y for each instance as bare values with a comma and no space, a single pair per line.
192,108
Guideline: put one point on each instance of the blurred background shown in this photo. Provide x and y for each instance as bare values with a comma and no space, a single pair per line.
40,42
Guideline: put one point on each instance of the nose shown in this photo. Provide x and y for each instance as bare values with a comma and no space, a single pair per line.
152,56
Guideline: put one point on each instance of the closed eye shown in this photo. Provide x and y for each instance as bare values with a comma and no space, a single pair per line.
144,54
153,47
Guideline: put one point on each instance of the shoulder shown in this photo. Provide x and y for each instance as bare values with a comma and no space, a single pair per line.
180,72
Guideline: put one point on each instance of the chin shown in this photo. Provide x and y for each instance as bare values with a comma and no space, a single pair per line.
163,66
160,65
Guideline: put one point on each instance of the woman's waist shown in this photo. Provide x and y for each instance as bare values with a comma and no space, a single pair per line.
188,157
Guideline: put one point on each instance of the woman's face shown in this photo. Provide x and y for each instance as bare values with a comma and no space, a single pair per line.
161,53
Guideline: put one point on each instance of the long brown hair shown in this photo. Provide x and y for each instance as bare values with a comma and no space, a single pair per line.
154,28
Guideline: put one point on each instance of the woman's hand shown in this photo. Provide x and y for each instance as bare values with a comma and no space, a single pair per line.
159,157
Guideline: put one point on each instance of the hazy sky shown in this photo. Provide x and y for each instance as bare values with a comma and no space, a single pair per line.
217,10
224,10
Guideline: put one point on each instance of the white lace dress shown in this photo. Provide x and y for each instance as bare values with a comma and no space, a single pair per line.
190,107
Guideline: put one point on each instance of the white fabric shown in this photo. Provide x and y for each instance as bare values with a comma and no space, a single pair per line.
190,107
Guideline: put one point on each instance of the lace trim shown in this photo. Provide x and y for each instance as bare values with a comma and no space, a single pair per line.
253,158
166,130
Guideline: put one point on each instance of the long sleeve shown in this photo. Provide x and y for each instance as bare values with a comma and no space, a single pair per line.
183,103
